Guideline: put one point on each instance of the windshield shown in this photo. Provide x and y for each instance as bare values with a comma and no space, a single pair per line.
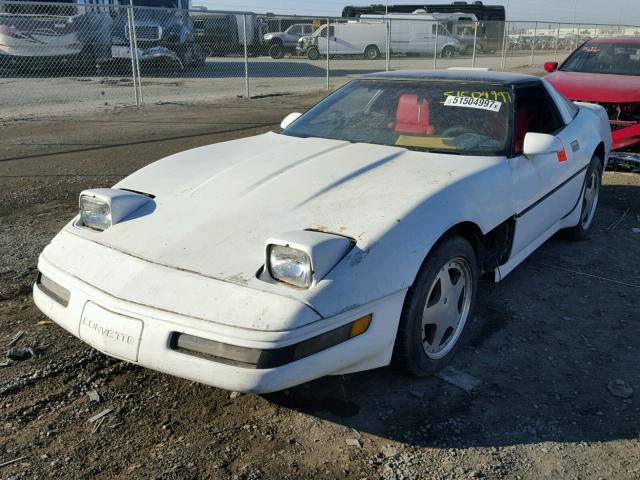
436,116
612,58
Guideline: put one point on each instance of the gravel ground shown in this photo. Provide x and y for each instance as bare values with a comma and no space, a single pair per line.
557,359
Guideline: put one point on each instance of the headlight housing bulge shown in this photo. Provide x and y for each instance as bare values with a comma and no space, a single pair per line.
101,208
303,258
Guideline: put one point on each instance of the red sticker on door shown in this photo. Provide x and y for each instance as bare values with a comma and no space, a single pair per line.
562,154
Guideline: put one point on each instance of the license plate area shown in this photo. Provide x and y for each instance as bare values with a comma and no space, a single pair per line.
111,333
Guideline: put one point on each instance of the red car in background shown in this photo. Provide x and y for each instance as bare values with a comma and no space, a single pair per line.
606,71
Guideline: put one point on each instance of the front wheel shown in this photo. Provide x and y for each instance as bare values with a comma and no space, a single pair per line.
448,51
276,51
438,309
313,53
589,201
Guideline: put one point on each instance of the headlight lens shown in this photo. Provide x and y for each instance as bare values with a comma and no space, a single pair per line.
95,213
290,265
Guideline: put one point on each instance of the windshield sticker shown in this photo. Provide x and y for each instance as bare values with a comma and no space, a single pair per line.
498,96
469,102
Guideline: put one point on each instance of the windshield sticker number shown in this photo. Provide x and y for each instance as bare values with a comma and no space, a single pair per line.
497,95
468,102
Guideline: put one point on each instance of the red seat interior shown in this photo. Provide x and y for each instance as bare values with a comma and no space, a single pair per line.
413,116
523,121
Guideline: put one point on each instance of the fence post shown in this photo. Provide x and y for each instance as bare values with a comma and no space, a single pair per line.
578,37
555,53
504,47
328,43
475,45
133,51
435,47
388,63
246,56
533,45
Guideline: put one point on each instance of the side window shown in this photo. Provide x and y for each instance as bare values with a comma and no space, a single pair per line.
535,112
308,29
296,30
332,32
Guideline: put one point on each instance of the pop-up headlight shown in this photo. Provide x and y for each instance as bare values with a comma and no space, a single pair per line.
303,258
101,208
290,265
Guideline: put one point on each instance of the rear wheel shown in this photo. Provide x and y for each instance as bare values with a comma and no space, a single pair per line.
438,308
371,52
589,201
313,53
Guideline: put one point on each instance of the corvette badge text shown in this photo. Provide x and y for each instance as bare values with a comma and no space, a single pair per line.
108,332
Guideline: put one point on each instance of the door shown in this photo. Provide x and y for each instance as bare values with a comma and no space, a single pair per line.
422,35
546,187
322,40
296,31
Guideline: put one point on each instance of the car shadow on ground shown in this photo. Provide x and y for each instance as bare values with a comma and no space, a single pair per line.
555,334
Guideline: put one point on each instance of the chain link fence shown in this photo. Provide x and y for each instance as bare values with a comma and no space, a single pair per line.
58,57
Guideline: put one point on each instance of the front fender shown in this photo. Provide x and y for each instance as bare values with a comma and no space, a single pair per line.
390,262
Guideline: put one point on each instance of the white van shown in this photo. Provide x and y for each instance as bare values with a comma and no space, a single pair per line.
416,34
352,38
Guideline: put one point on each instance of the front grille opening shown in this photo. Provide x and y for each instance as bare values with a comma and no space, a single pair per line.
53,290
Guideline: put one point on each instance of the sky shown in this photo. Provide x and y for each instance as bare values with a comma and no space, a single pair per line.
585,11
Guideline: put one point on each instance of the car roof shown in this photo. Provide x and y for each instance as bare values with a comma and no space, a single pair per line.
627,40
462,75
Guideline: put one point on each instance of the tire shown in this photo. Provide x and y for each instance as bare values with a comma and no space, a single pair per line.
588,201
276,51
186,55
427,342
447,51
313,53
199,56
371,52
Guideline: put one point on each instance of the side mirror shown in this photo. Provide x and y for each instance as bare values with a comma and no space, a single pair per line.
551,66
540,144
289,119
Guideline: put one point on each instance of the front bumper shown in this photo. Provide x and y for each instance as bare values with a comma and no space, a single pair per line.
621,157
40,61
144,335
146,54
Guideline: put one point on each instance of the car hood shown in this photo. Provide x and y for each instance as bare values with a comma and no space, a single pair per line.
596,87
216,206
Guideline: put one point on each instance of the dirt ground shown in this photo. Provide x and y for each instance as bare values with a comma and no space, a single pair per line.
556,333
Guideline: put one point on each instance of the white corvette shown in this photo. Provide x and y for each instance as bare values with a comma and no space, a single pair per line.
354,237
